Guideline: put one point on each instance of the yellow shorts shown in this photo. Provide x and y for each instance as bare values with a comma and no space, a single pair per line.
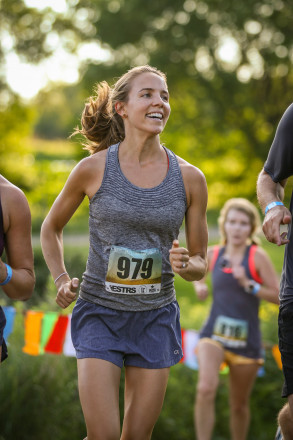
231,358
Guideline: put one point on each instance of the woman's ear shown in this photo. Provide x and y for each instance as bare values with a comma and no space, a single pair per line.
119,107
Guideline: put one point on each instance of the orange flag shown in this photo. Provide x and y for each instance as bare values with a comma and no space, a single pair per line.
32,335
277,356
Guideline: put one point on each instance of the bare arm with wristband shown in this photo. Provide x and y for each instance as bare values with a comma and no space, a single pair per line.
17,277
270,195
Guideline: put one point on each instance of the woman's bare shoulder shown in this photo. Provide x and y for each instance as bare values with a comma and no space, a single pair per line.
11,193
88,174
94,163
189,171
14,204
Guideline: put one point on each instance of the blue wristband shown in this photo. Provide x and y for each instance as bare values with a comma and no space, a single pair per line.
8,276
272,205
256,288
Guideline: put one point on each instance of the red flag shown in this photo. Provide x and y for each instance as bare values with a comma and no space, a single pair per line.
56,341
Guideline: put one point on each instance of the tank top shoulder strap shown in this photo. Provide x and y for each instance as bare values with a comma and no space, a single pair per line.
216,251
111,166
251,264
111,156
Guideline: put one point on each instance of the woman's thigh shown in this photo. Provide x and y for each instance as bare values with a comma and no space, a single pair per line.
98,382
144,396
242,378
210,357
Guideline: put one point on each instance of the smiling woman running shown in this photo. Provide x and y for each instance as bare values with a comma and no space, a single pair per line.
242,275
127,313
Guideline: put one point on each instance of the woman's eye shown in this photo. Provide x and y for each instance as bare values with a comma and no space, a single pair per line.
165,98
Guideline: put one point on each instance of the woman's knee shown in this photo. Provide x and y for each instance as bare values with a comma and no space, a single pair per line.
137,432
207,389
239,406
101,430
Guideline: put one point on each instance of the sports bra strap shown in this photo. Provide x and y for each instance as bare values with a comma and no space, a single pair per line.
216,250
251,264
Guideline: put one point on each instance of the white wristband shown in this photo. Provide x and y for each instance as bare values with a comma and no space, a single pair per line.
59,276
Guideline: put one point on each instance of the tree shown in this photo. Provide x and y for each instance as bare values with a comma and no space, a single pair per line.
228,66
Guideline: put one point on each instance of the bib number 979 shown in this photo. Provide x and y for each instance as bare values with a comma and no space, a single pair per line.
134,267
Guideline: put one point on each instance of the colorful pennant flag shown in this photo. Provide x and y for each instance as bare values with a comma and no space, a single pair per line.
48,323
68,348
9,315
57,337
277,356
46,333
189,343
32,328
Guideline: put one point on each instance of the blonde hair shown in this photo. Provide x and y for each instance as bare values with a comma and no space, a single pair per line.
101,125
245,206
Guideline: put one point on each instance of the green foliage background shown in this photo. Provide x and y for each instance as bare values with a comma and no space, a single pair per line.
224,111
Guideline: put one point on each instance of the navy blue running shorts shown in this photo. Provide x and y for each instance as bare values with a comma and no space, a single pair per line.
2,341
285,321
147,339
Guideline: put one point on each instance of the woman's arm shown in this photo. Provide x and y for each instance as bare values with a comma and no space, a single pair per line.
269,191
191,263
82,181
18,246
200,286
269,289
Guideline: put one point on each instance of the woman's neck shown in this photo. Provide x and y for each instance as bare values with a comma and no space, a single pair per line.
234,250
140,150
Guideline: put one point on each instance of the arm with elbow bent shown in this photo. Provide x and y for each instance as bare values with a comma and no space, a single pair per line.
18,246
268,290
269,191
62,210
191,262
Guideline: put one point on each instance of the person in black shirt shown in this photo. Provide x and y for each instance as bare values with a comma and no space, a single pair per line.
270,190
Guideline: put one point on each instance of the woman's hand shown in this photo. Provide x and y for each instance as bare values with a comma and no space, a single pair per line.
240,275
179,258
201,290
67,292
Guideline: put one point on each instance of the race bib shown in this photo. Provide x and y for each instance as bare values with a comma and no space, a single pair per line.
230,332
134,272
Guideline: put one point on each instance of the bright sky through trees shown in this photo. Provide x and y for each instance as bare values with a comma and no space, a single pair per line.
57,5
28,79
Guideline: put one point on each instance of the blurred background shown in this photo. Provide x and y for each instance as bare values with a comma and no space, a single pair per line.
229,70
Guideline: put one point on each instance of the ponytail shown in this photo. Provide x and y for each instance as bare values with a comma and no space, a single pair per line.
101,125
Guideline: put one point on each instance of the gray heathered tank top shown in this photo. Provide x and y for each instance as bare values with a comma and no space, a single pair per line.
131,232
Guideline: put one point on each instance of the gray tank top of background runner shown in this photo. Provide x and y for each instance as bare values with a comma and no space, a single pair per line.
131,232
233,319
